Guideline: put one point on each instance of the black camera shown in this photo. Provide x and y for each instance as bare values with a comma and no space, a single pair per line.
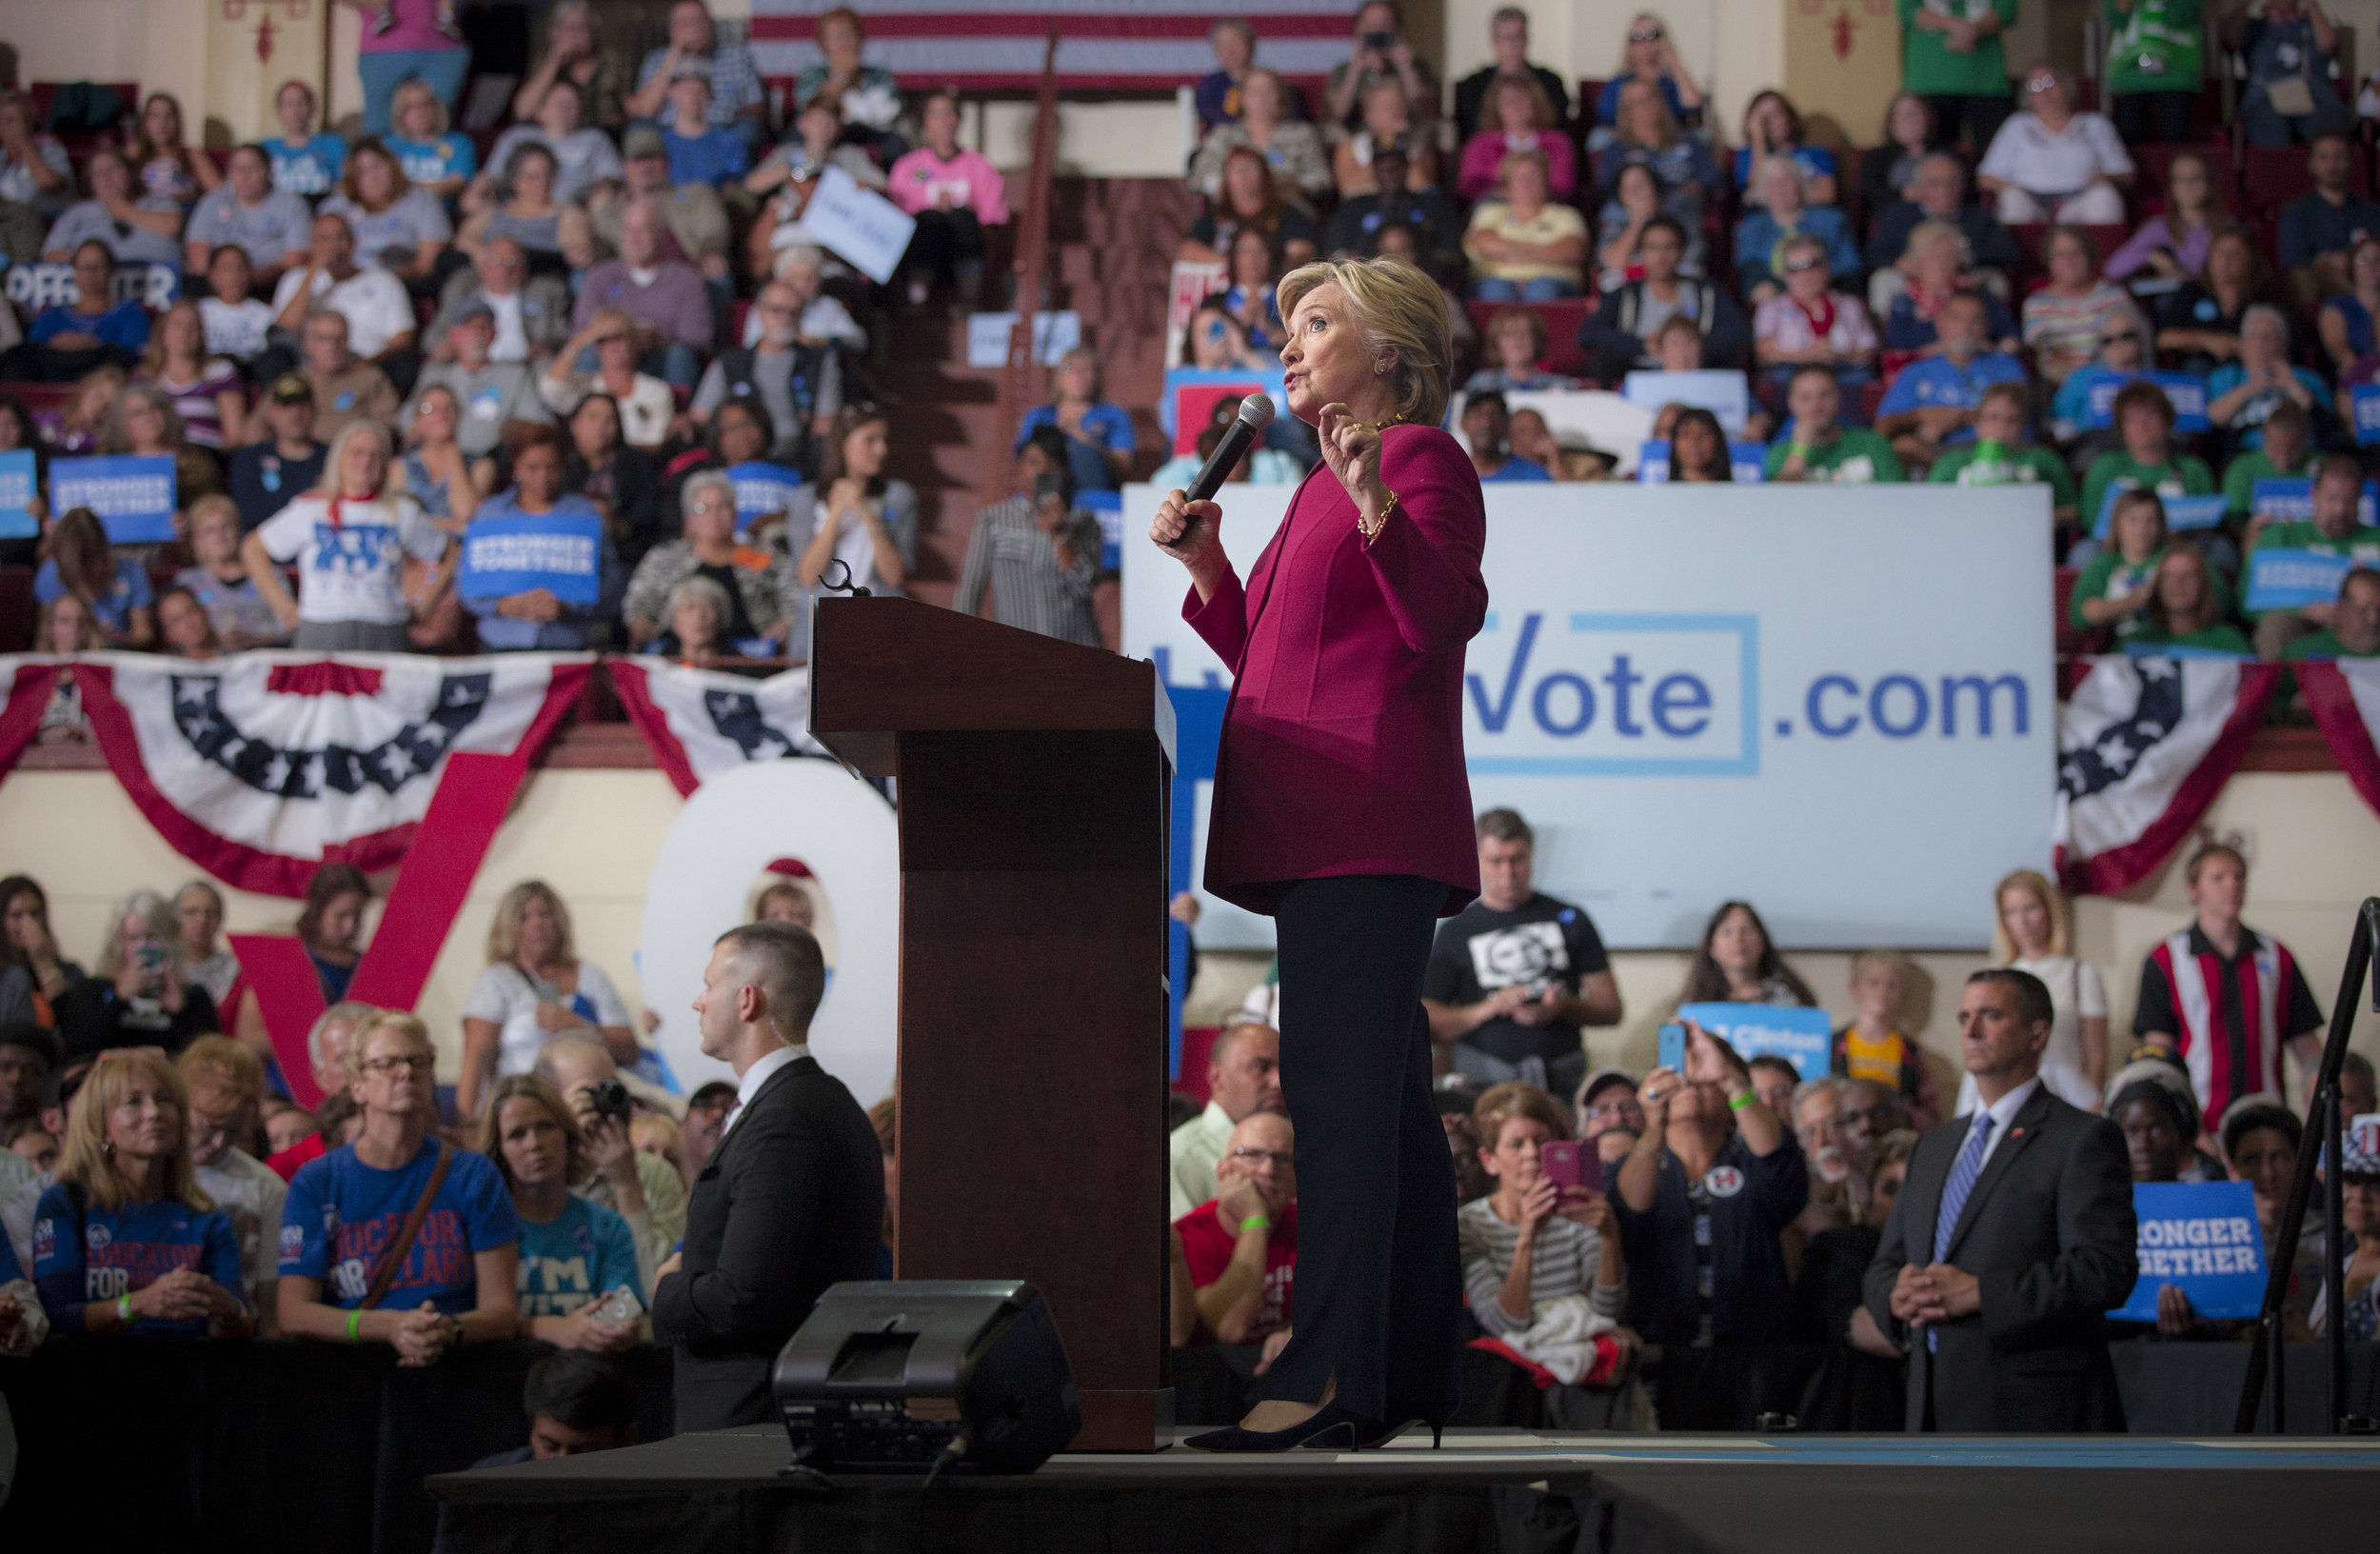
609,1098
1380,42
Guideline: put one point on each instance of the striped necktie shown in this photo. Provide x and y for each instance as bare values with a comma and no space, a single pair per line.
1963,1173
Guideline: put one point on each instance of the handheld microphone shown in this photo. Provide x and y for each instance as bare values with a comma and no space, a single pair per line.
1256,413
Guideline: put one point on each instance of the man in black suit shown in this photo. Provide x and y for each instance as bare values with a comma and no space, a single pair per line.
2013,1235
791,1200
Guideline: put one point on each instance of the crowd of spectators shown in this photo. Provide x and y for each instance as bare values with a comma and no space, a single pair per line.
585,315
1715,1200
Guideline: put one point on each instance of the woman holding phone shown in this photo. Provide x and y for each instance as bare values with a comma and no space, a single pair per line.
1342,810
1534,1240
140,992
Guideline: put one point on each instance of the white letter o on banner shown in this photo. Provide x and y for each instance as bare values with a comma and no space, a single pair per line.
734,827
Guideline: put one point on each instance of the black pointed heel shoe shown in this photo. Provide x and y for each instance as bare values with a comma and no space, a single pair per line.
1329,1428
1379,1435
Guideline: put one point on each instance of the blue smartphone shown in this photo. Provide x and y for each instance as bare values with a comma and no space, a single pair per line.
1672,1049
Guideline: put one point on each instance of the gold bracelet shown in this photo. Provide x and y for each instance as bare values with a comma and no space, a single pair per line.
1372,530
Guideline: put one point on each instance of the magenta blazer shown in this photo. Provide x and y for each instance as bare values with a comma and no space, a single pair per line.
1342,745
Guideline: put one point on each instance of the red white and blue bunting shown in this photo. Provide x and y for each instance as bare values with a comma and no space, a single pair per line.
261,767
2143,746
701,722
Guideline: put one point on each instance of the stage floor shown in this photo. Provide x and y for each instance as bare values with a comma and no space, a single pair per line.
1493,1491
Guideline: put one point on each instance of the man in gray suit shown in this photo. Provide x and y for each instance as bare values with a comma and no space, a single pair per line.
2013,1235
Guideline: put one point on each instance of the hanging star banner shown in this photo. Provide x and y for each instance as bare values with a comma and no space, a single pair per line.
701,722
2143,746
261,767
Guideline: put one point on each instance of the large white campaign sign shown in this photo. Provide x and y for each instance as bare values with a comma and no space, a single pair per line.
1835,701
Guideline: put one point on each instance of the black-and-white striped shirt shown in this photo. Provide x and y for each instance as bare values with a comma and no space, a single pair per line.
1018,560
1564,1262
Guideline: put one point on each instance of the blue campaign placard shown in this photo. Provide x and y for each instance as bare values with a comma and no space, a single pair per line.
2279,579
1726,393
2201,1236
2365,403
2181,512
2188,394
2292,500
761,489
1747,462
1804,1038
16,494
560,553
132,497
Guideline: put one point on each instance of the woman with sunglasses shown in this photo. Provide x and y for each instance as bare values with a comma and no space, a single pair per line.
1650,56
2054,162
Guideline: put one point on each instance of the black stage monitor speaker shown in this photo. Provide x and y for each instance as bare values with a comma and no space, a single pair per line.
907,1377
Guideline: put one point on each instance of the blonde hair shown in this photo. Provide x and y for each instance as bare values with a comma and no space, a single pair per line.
1879,960
1929,234
157,913
415,86
2053,901
87,1157
328,485
1401,316
378,1021
531,1088
504,933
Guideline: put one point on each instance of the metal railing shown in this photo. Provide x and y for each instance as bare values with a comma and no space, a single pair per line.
2265,1357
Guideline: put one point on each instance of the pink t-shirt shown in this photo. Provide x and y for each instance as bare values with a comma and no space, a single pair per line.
416,29
918,180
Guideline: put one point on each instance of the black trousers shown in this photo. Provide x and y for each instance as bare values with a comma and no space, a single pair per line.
1982,117
1378,1294
945,242
2152,117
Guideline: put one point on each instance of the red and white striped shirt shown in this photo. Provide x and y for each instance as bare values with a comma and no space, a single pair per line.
2229,1018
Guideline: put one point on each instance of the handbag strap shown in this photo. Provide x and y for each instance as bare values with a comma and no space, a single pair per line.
393,1256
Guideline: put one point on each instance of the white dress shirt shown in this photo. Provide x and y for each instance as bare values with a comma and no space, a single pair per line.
2003,1113
756,1076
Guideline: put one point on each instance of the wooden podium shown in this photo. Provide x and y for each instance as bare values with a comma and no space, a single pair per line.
1033,785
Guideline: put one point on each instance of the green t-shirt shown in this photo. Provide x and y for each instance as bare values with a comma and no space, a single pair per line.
2222,637
2185,476
2323,644
2239,484
2109,576
2154,47
1929,69
2028,466
1856,457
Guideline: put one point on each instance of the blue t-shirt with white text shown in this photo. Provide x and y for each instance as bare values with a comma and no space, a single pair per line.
575,1259
98,1254
340,1213
435,161
309,168
1933,383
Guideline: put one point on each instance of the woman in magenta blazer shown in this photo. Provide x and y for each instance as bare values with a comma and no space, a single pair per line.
1343,809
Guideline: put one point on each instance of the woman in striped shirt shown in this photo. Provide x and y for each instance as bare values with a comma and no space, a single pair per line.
204,389
1530,1242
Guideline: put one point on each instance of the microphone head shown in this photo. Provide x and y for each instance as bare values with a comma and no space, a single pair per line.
1256,410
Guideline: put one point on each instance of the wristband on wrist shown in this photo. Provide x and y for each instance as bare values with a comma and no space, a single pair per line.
355,1327
124,1310
1256,1221
1797,450
1737,1103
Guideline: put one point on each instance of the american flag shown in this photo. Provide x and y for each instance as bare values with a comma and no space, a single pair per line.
1111,45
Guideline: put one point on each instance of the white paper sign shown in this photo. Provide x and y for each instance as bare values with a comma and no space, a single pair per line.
868,230
1054,334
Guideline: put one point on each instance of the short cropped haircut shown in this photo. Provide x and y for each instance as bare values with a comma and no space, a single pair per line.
2258,1111
1401,316
2032,997
787,967
1505,826
2209,853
